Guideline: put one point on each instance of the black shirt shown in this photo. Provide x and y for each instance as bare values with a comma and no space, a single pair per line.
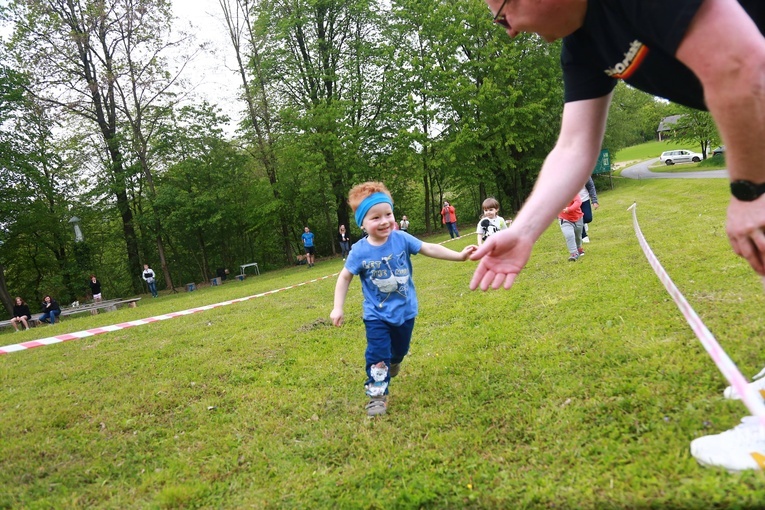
95,287
636,40
53,305
22,311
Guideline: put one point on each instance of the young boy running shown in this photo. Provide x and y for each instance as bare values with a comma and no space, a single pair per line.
382,261
491,222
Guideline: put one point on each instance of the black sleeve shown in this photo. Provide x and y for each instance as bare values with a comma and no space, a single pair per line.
582,77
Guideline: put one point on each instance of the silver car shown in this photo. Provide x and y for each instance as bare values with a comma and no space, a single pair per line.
680,156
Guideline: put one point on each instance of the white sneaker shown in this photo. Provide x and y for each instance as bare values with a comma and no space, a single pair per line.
737,449
758,384
586,239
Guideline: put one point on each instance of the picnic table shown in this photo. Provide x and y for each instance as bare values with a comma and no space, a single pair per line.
110,304
251,264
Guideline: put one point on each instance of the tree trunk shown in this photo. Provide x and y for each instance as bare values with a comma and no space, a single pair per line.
5,297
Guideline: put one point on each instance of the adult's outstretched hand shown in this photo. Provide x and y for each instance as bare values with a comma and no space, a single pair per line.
502,257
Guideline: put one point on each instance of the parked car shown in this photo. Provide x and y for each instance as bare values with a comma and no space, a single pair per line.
680,156
720,151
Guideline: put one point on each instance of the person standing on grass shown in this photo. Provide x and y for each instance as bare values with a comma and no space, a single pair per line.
310,252
50,310
149,278
404,224
705,54
491,222
589,202
449,218
570,219
345,241
21,314
382,262
95,288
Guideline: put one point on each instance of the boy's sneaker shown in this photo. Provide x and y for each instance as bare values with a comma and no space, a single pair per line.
758,384
573,257
395,368
737,449
581,252
377,406
585,239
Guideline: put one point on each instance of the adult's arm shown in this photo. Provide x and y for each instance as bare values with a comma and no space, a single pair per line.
590,185
563,174
726,50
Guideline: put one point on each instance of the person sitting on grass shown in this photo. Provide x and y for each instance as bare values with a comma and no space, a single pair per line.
50,309
382,261
21,314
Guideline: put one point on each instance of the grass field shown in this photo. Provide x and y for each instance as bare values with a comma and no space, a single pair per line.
648,150
711,163
581,387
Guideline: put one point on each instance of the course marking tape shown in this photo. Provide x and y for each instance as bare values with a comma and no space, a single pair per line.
140,322
751,397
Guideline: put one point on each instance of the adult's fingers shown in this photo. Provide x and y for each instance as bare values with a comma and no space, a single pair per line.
482,250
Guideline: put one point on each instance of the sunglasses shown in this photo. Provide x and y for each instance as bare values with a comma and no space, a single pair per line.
500,18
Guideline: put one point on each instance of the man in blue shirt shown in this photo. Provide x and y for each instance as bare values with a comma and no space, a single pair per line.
308,245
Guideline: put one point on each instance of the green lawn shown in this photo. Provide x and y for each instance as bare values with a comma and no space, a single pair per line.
711,163
581,387
647,150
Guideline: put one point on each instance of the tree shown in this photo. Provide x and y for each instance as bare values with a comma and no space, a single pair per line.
144,39
75,50
256,83
695,126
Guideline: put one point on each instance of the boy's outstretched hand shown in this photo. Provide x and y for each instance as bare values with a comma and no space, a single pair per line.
337,317
502,257
467,250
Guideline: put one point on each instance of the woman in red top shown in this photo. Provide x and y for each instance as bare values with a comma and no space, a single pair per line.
449,218
571,224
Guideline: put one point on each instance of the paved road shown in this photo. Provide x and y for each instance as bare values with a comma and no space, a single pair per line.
641,171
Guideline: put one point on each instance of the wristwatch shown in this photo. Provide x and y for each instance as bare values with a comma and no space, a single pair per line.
746,191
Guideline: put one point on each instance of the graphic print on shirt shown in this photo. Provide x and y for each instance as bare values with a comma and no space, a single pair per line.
389,275
632,60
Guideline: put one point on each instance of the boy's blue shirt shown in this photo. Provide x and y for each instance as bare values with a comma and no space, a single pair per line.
308,239
386,277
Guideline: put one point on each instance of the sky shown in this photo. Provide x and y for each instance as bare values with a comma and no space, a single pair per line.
212,72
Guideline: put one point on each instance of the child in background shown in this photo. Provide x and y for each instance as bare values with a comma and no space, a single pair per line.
382,261
571,224
490,223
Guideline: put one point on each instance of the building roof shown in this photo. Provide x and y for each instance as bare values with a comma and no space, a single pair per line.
667,123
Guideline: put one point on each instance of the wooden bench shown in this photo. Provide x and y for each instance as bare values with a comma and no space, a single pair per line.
34,321
109,305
